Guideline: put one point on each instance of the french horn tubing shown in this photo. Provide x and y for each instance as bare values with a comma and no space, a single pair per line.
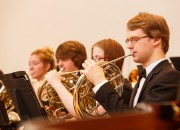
81,89
9,106
84,104
50,100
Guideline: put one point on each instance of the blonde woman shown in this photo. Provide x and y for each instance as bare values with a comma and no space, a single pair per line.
41,61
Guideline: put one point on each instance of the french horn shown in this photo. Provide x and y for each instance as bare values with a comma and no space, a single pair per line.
9,106
50,100
81,89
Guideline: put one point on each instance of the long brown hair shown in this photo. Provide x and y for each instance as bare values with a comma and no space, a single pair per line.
112,50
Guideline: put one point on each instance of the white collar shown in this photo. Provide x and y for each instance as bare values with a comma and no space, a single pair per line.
152,65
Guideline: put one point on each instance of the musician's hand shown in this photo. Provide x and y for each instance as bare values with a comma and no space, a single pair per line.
53,78
93,72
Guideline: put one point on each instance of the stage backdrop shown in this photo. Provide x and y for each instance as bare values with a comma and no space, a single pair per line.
29,24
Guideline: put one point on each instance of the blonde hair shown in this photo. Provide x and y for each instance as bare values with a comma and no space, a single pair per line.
46,55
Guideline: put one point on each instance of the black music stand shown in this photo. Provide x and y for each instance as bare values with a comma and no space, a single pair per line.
21,92
176,62
4,120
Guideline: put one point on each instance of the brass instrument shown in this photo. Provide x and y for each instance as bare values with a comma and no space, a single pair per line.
49,98
133,77
12,115
84,104
81,90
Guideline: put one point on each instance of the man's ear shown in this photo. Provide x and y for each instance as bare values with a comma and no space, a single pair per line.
157,41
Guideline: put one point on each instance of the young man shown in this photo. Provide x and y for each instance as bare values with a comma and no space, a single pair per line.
69,55
148,40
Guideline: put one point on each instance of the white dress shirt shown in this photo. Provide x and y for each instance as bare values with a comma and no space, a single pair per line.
149,68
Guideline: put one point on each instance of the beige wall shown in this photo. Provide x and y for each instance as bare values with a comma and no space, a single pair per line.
29,24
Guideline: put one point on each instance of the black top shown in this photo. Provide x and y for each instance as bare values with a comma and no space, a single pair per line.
127,90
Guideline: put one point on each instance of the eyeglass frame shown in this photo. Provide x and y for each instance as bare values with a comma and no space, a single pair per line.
135,39
99,59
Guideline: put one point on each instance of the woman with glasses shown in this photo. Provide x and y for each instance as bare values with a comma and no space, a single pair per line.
108,50
148,40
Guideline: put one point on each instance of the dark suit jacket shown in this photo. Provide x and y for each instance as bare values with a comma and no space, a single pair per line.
127,90
178,98
161,85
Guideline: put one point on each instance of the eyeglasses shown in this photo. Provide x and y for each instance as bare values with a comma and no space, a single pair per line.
134,39
98,59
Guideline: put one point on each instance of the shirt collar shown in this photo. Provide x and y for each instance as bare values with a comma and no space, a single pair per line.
151,66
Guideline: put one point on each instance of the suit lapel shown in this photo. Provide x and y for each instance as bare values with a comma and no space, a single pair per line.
155,71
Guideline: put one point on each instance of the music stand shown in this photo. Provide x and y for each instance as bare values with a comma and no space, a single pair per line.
4,120
21,92
176,62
